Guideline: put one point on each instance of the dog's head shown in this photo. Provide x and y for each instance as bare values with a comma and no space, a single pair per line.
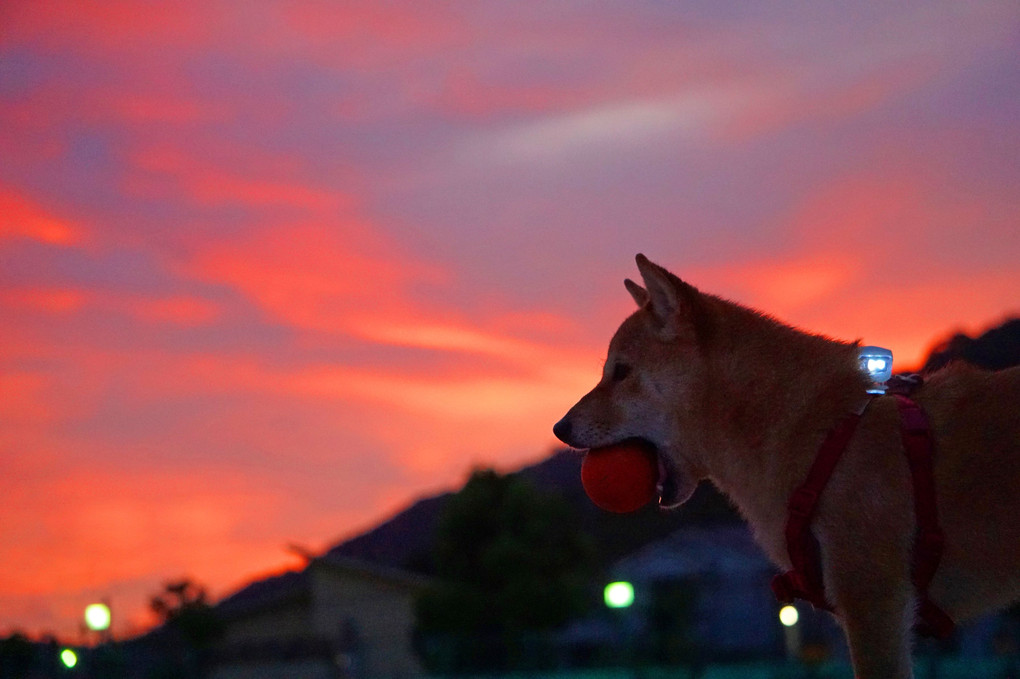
651,381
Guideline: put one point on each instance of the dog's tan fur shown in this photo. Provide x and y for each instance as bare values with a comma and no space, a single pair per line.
728,394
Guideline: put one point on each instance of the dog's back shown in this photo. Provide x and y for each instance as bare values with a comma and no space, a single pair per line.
977,471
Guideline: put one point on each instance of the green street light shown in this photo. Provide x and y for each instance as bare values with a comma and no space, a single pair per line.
69,658
618,594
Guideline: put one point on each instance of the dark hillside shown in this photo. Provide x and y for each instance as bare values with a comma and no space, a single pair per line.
405,540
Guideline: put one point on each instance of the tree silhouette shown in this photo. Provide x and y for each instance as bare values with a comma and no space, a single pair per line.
16,656
184,605
510,561
189,627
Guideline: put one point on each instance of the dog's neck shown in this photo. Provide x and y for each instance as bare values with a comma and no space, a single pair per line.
776,392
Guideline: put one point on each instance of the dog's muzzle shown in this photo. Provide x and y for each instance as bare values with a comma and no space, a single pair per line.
562,430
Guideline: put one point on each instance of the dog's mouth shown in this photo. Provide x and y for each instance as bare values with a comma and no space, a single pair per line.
668,485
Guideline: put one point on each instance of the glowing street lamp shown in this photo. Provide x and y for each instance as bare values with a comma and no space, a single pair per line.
788,616
69,658
97,617
618,594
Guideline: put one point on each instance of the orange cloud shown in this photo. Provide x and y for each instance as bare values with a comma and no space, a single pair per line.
782,288
910,314
120,532
53,300
314,275
842,297
22,397
20,217
205,184
183,310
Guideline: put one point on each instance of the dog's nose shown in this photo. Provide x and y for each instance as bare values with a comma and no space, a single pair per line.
562,430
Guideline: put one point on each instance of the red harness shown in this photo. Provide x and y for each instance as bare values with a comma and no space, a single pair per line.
804,581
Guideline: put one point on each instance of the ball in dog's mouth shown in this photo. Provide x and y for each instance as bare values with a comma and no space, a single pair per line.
622,477
628,475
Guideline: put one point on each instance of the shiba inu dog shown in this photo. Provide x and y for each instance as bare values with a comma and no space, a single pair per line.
728,394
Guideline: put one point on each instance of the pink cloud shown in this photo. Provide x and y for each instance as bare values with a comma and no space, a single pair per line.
167,107
116,25
374,25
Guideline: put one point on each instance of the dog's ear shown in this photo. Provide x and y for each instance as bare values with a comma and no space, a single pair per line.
662,295
671,302
639,294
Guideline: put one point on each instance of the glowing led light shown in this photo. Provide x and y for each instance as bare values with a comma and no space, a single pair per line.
876,363
619,594
97,617
788,616
69,658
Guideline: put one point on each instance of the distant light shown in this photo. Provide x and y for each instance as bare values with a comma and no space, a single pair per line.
97,617
619,594
788,616
69,658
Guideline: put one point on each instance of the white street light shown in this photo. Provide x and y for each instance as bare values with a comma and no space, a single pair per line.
97,617
791,631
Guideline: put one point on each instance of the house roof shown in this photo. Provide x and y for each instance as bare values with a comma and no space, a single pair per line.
267,593
370,570
295,586
696,550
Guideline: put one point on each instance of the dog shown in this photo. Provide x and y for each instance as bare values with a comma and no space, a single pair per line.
728,394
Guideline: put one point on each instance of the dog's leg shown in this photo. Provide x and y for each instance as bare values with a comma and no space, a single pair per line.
878,630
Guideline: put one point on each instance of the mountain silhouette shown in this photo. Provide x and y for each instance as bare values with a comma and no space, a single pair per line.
405,540
995,349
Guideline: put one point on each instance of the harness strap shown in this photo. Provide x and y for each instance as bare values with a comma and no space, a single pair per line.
929,542
804,580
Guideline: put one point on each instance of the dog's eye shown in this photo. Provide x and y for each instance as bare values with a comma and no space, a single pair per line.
620,371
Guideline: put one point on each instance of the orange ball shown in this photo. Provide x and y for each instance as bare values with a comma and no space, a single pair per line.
621,478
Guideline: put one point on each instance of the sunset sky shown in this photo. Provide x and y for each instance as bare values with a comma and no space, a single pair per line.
269,271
